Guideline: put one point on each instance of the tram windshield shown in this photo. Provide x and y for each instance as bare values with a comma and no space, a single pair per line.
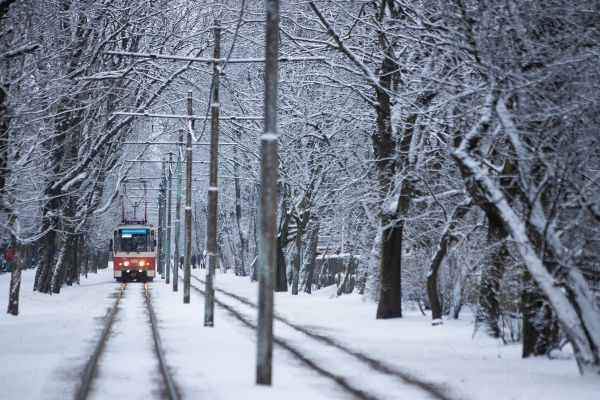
134,240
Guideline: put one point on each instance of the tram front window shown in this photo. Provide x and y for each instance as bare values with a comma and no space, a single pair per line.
133,240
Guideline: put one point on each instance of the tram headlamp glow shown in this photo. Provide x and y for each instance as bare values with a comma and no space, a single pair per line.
142,263
126,263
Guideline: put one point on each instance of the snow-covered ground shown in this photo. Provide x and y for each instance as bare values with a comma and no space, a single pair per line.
44,349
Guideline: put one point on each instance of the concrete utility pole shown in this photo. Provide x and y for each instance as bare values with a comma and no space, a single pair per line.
267,241
169,222
159,231
178,214
188,204
164,220
215,108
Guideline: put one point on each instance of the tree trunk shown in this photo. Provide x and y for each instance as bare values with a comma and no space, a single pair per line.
281,268
4,136
77,258
488,311
243,248
86,261
70,239
310,257
457,290
432,289
95,261
253,271
253,265
47,253
280,273
223,265
540,329
15,277
322,277
390,294
344,283
244,252
436,261
58,276
297,260
71,259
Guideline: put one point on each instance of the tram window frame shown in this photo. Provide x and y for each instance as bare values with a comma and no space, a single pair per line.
136,243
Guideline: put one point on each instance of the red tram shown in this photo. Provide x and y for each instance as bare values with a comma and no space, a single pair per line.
134,252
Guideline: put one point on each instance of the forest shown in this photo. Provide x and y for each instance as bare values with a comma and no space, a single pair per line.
446,153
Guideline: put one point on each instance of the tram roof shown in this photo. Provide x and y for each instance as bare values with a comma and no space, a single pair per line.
121,226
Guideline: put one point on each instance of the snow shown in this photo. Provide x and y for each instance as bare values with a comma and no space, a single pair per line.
336,256
269,137
44,349
67,186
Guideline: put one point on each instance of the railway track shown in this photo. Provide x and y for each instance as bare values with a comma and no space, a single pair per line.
170,388
91,371
316,351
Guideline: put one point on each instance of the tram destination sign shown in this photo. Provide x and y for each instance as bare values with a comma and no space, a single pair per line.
134,231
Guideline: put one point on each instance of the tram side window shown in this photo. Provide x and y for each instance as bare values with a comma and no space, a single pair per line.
133,240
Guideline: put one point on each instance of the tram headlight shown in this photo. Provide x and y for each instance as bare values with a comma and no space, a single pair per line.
142,263
126,263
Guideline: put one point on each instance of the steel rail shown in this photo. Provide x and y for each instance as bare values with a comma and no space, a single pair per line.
90,367
164,369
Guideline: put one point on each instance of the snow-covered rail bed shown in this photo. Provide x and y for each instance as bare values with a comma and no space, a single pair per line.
357,374
128,361
92,364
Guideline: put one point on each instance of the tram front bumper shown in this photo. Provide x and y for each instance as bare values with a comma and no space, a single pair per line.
135,273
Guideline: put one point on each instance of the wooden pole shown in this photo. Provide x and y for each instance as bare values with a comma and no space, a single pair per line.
188,204
267,241
209,304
